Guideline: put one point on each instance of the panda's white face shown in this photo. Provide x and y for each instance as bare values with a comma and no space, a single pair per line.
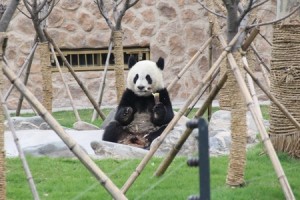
145,78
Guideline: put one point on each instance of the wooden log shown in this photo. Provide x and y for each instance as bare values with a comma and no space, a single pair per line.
179,114
174,151
69,141
74,75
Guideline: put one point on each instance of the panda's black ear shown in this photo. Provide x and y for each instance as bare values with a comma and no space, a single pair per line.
131,61
160,63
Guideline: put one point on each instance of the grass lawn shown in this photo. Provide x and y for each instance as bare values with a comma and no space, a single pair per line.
61,178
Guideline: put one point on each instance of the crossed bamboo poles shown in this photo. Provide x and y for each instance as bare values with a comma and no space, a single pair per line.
106,182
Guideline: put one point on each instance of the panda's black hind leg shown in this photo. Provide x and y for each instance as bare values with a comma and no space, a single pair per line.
153,135
113,132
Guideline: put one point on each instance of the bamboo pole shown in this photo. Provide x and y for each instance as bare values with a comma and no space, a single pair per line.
21,98
186,67
102,85
69,141
207,86
210,62
176,148
25,64
74,75
65,84
252,89
264,68
20,151
179,114
264,135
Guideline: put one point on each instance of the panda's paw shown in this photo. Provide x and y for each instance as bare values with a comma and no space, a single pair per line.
159,111
126,113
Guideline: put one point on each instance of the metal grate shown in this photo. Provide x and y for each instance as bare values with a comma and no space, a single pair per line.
94,59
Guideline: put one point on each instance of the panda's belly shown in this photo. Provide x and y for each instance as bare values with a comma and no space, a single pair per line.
142,124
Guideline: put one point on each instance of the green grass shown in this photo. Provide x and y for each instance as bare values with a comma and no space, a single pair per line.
59,178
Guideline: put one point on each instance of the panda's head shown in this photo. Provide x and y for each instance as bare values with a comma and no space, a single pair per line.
145,77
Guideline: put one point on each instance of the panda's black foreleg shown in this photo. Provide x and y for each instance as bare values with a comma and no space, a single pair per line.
113,132
159,113
124,115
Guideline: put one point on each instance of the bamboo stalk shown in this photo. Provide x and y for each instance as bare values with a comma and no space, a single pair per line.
69,141
21,98
65,84
25,64
20,151
264,68
252,89
179,114
186,67
210,62
207,85
176,148
74,75
264,135
102,85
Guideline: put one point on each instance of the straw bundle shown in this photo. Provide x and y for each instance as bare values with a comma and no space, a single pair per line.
47,76
285,86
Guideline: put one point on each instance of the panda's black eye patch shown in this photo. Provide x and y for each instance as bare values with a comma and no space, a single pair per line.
149,79
135,78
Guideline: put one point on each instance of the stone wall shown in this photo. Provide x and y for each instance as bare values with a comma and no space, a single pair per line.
173,29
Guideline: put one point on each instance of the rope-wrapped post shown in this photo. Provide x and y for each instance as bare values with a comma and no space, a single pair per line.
46,75
285,81
119,63
3,38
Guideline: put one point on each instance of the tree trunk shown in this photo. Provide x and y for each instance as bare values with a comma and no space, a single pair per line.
119,63
2,148
46,75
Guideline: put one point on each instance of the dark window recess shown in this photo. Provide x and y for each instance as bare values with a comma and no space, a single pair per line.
95,59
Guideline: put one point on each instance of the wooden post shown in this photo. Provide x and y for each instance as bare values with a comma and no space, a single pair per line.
69,141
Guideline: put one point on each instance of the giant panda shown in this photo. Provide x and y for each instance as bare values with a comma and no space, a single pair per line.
145,108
